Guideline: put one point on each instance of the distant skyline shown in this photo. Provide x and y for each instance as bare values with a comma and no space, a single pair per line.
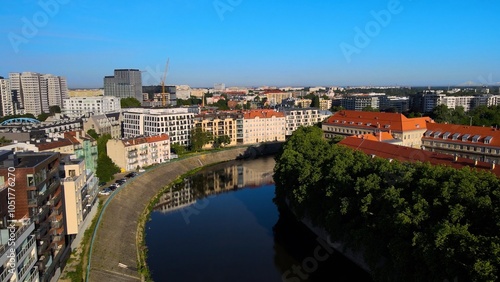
255,43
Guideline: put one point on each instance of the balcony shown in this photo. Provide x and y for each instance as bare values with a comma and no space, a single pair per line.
5,274
26,248
42,247
27,266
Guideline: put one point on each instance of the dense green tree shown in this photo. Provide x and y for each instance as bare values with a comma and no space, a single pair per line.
315,101
178,149
43,116
411,221
370,109
54,109
200,138
222,141
4,141
106,168
93,133
129,102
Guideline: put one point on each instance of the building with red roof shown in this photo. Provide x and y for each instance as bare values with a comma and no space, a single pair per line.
131,153
348,123
263,126
407,154
473,142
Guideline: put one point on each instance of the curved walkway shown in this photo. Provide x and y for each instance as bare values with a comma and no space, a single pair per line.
114,251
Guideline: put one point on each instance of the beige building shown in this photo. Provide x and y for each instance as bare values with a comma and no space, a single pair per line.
105,124
220,124
348,123
80,193
298,117
129,154
263,126
325,104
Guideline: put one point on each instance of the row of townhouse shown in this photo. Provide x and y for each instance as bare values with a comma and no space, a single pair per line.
54,191
242,127
471,142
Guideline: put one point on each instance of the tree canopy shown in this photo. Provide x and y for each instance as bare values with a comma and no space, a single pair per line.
129,102
412,221
200,138
106,168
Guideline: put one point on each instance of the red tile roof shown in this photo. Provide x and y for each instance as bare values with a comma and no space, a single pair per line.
407,154
60,142
372,120
262,114
382,136
472,134
157,138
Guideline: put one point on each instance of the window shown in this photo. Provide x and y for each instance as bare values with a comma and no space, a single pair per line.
428,133
446,135
436,134
476,138
465,137
455,136
487,140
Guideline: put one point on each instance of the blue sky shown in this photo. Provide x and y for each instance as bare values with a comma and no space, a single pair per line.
256,42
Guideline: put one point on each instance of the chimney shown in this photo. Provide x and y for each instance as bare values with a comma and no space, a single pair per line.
492,165
455,157
380,136
475,162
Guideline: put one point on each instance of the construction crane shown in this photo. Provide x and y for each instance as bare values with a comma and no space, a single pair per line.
163,94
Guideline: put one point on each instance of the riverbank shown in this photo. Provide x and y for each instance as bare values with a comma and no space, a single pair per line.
114,256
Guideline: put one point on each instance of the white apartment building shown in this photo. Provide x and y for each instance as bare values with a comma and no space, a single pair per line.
176,122
296,118
18,265
129,154
35,93
6,98
263,126
79,106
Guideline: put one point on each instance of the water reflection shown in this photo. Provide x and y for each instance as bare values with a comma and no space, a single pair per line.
211,229
215,180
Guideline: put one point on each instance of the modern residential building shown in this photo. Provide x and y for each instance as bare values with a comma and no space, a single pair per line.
39,199
124,84
34,93
18,250
109,123
263,126
80,193
79,106
358,102
348,123
6,104
472,142
132,153
298,117
325,104
222,123
177,123
399,104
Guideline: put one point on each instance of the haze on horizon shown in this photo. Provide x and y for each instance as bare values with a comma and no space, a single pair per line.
254,43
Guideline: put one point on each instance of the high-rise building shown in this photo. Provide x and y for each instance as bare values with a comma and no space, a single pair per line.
124,84
34,93
7,108
39,198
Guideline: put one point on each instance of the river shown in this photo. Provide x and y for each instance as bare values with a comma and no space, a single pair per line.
222,225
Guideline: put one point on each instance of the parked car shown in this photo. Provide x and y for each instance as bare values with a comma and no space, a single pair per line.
102,184
105,192
132,174
114,186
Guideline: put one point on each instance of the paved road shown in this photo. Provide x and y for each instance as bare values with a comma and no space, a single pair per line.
115,241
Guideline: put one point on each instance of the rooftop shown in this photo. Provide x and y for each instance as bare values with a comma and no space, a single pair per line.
463,134
406,154
371,120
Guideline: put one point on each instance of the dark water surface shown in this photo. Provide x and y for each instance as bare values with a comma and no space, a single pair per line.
222,225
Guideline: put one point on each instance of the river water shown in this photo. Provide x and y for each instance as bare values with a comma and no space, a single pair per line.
222,225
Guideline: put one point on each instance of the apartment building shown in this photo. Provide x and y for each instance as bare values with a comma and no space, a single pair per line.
325,104
110,123
471,142
34,93
222,124
79,106
80,193
18,250
177,123
263,126
6,104
358,102
132,153
348,123
39,199
297,117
